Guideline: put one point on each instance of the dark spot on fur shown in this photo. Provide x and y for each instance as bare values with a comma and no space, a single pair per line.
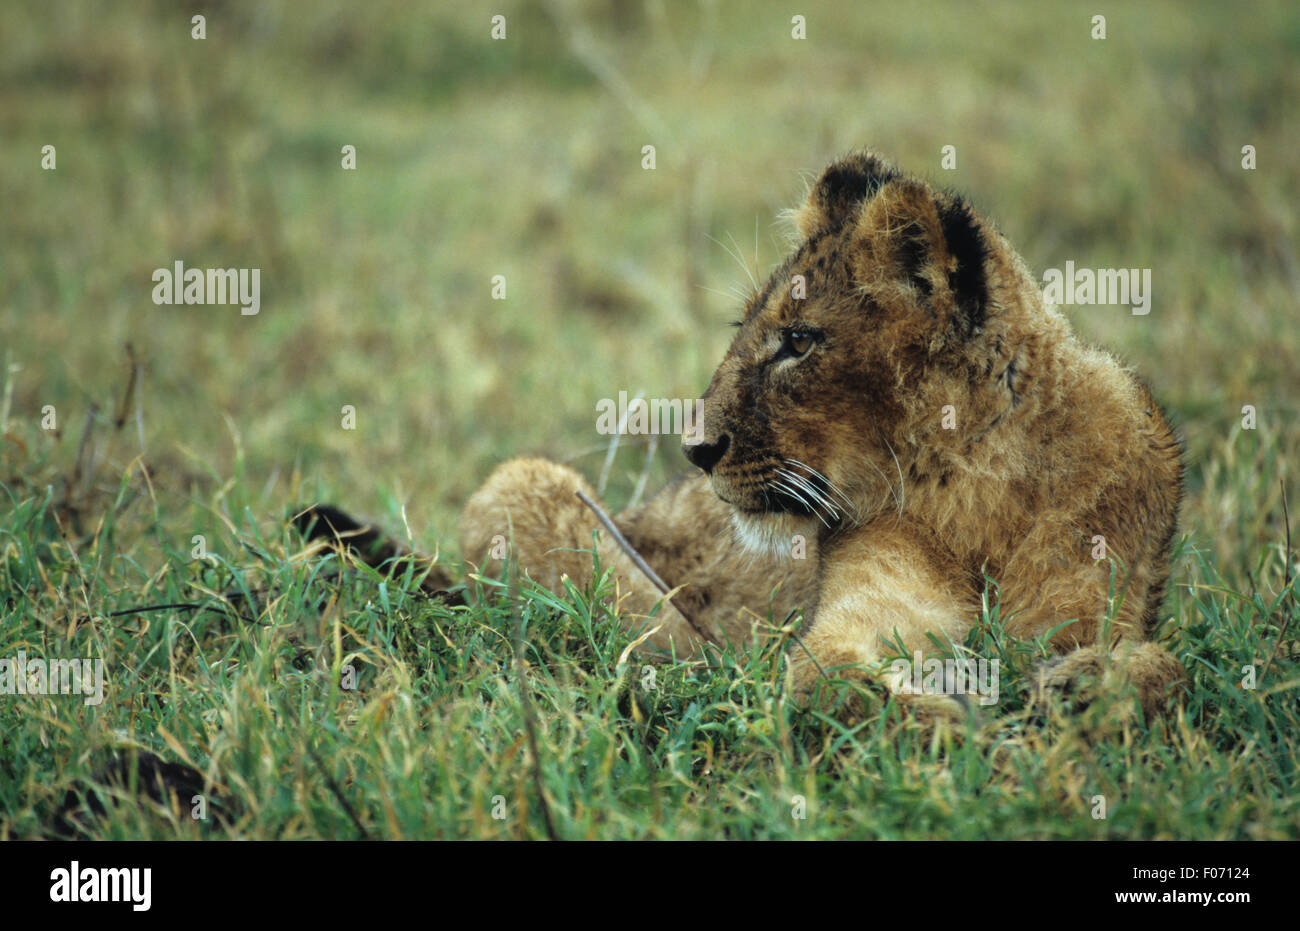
1009,376
844,186
913,253
968,283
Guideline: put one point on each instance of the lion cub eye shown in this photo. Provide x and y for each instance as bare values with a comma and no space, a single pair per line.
796,344
799,341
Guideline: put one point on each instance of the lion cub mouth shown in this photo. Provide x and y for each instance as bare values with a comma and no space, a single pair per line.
793,489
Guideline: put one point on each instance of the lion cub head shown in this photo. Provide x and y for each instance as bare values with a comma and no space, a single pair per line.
898,302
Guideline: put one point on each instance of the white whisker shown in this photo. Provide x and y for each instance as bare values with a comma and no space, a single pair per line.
743,264
739,260
832,509
889,486
902,493
838,500
831,486
802,500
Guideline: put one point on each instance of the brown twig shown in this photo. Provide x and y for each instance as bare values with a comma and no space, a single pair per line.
129,394
1286,587
641,564
330,782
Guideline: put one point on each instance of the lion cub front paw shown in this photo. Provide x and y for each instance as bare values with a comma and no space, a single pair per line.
1074,678
951,700
848,691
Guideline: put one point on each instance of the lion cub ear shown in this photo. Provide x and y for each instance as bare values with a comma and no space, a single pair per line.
914,246
841,190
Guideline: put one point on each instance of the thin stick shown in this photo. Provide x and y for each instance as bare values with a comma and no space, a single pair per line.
804,647
333,786
175,606
82,468
1281,634
641,564
129,394
530,719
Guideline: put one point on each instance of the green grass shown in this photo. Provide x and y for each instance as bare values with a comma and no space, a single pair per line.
434,737
523,159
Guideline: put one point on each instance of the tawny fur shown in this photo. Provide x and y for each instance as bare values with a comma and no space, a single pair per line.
527,511
957,428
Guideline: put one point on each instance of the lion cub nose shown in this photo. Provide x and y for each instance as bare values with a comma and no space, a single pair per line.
707,455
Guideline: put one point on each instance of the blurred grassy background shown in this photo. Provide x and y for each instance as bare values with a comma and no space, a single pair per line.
522,158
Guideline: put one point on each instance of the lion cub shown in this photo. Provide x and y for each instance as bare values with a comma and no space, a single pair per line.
899,397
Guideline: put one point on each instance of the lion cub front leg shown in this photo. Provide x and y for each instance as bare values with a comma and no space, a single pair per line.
879,586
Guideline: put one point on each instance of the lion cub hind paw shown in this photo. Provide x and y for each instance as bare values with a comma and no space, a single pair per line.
1073,678
1145,671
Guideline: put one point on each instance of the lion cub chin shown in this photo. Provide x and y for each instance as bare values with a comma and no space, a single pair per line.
772,536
